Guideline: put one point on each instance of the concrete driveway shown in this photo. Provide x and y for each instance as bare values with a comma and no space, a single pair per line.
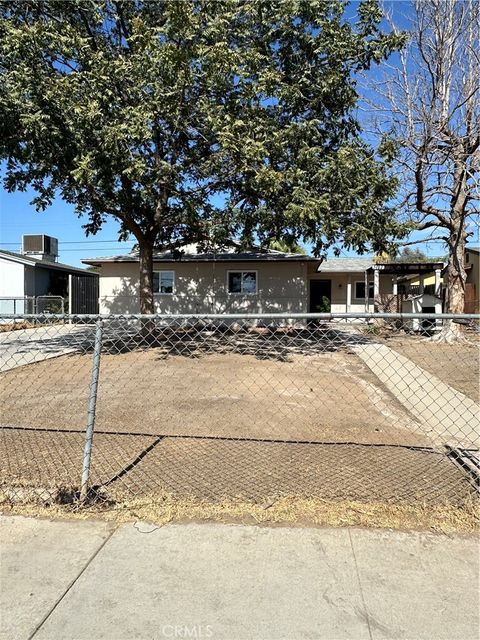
26,346
85,580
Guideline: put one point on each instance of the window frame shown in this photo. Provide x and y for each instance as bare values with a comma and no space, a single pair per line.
242,293
371,285
164,293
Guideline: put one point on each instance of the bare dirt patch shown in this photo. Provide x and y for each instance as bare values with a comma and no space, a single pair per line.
323,398
455,364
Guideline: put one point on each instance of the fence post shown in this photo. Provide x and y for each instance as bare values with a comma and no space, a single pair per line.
70,297
92,405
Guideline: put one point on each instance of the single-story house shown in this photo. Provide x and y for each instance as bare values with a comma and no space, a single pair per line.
255,281
32,281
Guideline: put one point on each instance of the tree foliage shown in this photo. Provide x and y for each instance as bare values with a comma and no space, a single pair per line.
196,120
287,245
409,254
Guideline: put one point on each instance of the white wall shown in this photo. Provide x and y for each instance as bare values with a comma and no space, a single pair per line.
417,303
12,284
202,288
12,281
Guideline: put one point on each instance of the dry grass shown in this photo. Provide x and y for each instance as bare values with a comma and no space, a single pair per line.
15,326
292,511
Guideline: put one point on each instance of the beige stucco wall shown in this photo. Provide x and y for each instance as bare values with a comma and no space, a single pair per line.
202,288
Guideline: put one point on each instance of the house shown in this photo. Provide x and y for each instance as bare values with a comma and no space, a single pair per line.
33,282
231,280
224,281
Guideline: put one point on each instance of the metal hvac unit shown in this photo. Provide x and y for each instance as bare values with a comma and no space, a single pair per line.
40,246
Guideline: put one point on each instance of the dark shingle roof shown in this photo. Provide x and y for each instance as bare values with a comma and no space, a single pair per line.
190,254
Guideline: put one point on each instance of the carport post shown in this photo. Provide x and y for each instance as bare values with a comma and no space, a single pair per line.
92,405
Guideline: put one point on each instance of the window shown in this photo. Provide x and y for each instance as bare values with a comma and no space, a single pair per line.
242,282
360,290
163,282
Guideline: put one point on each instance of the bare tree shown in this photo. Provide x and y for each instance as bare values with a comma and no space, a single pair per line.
427,109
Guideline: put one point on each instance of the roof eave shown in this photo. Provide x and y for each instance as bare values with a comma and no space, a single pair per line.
188,259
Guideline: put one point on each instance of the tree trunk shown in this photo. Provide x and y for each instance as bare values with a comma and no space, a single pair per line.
147,306
456,276
455,288
146,277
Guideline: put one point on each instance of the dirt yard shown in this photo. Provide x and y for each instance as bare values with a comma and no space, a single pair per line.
324,398
455,364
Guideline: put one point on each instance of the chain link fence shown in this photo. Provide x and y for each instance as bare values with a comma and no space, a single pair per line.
372,408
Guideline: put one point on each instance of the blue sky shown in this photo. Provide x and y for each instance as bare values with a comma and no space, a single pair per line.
18,217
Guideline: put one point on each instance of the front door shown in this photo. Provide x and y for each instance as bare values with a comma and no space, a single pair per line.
320,296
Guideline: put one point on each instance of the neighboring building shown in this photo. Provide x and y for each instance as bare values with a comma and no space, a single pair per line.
472,288
431,282
257,281
29,281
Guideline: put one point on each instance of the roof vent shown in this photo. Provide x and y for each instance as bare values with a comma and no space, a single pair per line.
41,247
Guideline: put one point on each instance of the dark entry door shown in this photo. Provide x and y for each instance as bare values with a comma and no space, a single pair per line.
320,296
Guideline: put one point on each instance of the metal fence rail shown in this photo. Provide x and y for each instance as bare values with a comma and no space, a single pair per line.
20,306
336,406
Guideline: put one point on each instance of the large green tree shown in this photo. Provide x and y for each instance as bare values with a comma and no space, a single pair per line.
196,120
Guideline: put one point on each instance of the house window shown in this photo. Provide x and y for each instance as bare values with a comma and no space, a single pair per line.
360,290
242,282
163,282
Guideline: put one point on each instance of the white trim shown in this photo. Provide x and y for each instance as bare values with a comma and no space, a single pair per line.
349,293
242,271
159,293
19,259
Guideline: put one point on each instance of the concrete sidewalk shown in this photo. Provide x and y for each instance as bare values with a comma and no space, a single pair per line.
88,580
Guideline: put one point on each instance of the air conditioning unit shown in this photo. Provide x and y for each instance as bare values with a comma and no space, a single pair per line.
41,247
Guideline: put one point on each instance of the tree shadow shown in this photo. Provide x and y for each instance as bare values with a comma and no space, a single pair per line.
198,338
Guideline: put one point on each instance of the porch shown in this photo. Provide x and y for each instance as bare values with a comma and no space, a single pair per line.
361,285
